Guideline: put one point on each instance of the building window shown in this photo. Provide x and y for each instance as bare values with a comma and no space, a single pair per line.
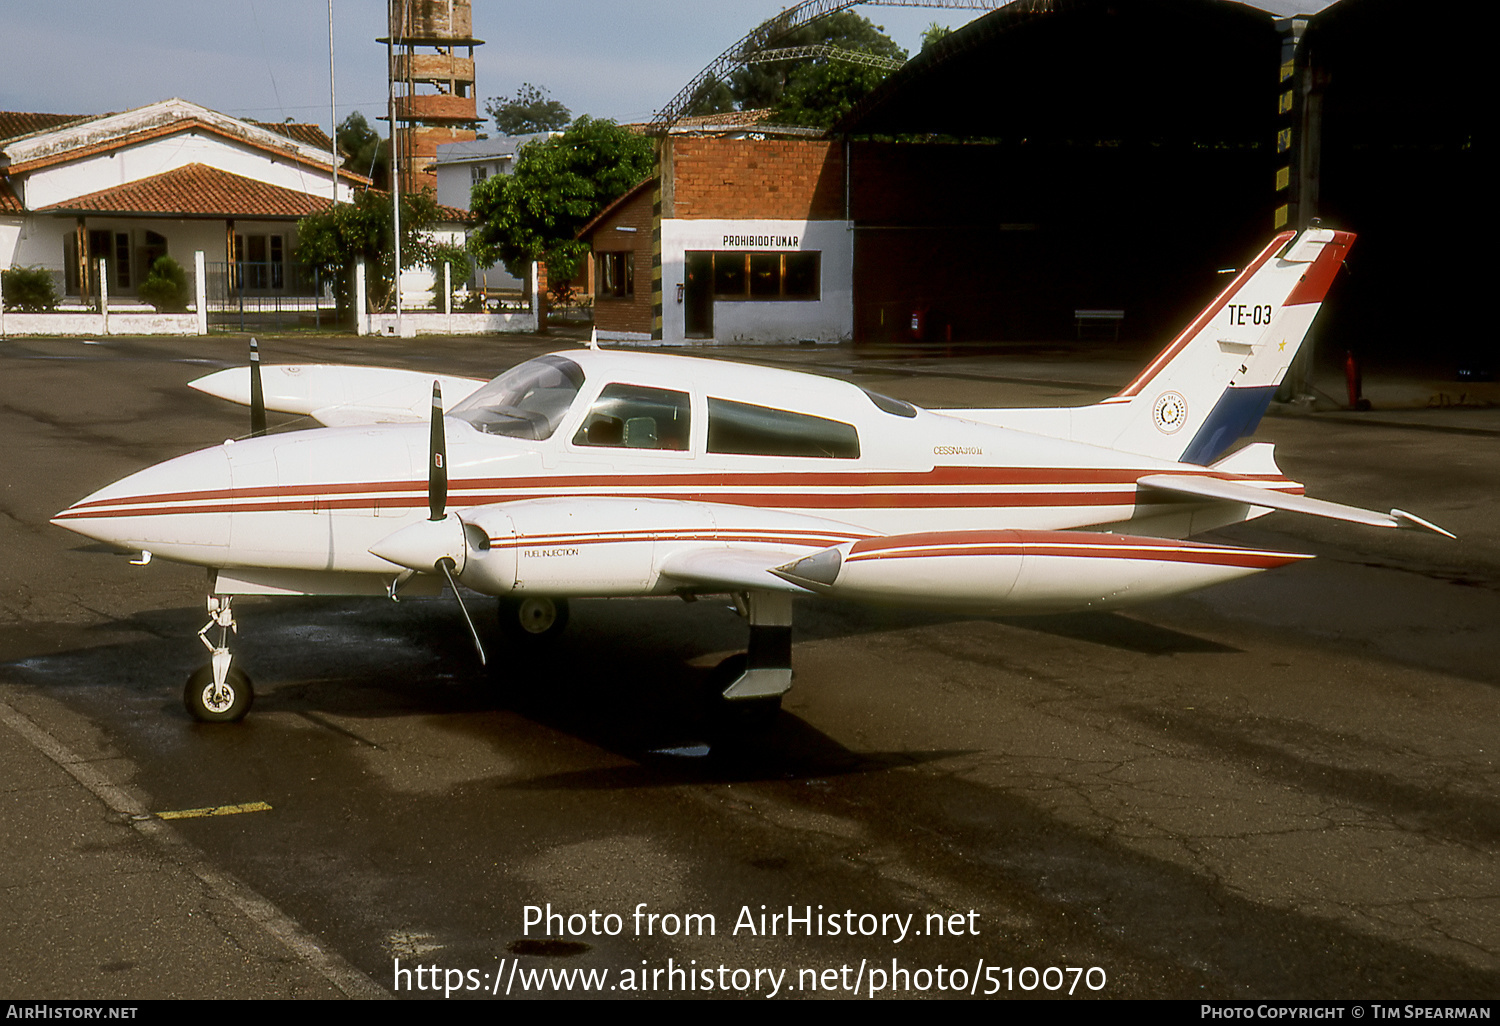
113,246
478,173
757,275
260,262
616,275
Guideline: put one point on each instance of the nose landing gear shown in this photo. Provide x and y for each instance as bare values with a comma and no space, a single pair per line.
218,692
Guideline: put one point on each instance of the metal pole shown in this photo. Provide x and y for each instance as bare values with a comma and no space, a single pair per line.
333,109
395,162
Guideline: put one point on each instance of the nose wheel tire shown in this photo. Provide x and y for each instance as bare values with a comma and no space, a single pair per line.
534,618
226,704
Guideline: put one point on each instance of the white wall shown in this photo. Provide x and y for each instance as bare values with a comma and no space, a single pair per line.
50,185
40,241
828,319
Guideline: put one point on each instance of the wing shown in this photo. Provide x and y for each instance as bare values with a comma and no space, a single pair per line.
609,545
340,396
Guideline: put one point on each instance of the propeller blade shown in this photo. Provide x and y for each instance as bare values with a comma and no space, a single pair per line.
446,565
437,468
257,393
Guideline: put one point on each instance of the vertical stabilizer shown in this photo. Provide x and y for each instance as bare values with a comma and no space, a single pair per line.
1212,384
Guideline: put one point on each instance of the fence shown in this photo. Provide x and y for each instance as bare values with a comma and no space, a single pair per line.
246,295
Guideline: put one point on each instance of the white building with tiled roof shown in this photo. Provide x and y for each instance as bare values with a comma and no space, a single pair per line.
168,178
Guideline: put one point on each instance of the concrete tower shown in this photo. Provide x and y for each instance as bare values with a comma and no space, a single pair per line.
432,83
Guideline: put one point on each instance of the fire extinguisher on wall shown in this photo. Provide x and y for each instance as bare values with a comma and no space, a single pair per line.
919,323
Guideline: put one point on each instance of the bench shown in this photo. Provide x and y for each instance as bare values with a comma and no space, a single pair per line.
1087,318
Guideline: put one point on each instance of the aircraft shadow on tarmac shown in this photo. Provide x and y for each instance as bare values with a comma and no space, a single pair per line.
631,677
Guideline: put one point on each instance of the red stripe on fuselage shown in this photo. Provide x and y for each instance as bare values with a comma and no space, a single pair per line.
413,494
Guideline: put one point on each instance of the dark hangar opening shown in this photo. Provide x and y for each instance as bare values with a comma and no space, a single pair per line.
1065,155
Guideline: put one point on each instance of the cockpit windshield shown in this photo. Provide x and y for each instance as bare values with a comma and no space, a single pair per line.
527,401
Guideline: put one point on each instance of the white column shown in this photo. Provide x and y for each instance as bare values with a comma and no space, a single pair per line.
447,287
202,290
361,323
104,291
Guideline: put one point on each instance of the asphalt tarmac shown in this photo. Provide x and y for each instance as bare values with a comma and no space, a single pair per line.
1282,787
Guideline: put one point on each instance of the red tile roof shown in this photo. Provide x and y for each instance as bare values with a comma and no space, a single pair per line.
302,132
10,203
15,123
195,190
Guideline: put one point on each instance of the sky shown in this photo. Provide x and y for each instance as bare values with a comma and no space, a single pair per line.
268,59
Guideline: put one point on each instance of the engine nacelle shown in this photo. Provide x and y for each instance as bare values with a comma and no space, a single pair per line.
1023,571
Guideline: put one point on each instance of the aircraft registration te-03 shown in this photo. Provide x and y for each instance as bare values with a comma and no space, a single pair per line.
603,473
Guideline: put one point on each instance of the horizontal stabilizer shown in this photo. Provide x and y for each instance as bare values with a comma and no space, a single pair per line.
1220,490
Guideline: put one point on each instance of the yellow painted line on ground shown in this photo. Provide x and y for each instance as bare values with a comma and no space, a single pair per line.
215,810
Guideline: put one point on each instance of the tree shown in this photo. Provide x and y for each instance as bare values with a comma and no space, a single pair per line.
530,110
366,152
933,34
792,87
558,186
335,240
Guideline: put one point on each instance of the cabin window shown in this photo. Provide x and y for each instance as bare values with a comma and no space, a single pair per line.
767,276
762,431
637,417
527,401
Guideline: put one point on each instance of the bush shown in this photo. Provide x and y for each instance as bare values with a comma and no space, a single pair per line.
166,287
30,289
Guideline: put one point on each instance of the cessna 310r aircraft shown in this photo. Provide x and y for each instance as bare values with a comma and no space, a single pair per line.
594,473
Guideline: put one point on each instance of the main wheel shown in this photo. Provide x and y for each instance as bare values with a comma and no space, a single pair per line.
534,618
218,705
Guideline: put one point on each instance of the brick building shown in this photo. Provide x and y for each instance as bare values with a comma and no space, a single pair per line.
736,240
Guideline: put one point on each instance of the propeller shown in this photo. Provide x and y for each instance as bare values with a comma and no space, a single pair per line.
257,394
433,544
437,501
437,461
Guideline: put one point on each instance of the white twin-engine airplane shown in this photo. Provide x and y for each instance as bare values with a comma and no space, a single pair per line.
592,473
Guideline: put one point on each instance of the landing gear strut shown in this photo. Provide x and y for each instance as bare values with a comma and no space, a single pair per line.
218,692
745,690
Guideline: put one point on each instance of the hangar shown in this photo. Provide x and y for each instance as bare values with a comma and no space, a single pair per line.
1115,154
1058,157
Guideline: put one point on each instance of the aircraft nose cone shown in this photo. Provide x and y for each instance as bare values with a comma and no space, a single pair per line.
178,509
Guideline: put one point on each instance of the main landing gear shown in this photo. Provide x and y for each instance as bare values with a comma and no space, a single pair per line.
744,691
218,692
533,618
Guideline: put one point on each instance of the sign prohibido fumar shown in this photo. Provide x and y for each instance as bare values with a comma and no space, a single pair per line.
761,241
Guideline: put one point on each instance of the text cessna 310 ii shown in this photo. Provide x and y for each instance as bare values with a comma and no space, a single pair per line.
593,473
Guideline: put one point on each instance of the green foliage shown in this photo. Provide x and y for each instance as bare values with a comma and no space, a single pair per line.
791,87
933,34
336,240
29,289
366,153
559,185
824,92
455,257
530,110
166,287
